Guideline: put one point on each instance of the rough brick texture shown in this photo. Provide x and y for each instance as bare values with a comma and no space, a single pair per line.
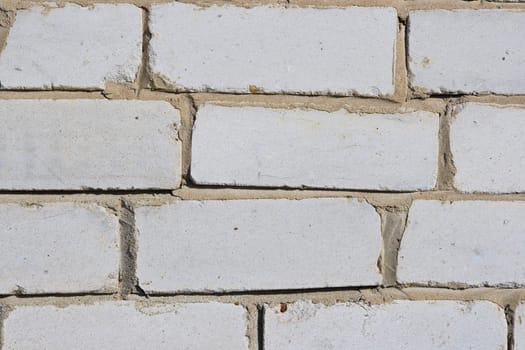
467,242
467,51
73,46
296,50
519,327
127,325
58,248
399,325
488,148
253,146
260,175
255,244
76,144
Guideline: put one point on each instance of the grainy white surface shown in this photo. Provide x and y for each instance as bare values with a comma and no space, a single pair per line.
469,242
58,248
72,47
428,325
467,51
79,144
257,244
126,325
488,148
274,49
253,146
519,327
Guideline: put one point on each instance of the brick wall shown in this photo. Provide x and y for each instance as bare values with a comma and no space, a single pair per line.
298,174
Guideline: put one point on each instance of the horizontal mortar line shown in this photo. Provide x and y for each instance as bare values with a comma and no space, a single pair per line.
364,288
278,191
49,90
462,286
57,295
298,188
391,99
466,95
88,191
275,94
232,193
165,95
415,293
261,292
107,94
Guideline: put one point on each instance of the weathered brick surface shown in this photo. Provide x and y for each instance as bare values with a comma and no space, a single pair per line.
519,327
127,325
398,325
58,248
488,148
274,174
78,144
257,244
467,242
252,146
467,51
272,49
72,47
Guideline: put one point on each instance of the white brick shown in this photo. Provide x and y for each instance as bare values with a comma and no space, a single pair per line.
78,144
519,327
252,146
126,325
58,248
257,244
296,50
467,51
472,242
425,325
488,148
72,46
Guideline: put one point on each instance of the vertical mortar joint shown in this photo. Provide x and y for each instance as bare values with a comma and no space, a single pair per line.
188,116
446,166
128,249
260,327
143,75
509,315
393,223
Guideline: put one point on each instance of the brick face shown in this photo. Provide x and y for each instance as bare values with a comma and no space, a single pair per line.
470,51
313,174
296,148
58,248
295,50
466,242
75,144
126,325
519,328
257,244
402,324
72,46
487,147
